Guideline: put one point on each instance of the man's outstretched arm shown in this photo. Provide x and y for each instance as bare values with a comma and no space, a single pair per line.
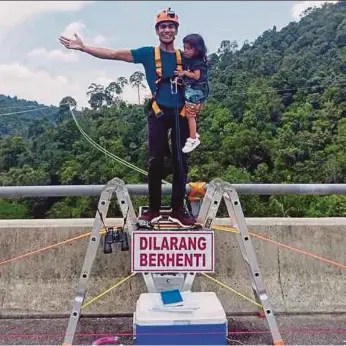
102,53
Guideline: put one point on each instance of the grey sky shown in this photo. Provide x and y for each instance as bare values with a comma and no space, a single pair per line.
33,65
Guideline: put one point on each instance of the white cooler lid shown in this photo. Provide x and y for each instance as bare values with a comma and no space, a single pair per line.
210,310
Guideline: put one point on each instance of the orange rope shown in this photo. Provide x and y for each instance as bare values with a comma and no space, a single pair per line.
300,251
309,254
44,248
219,227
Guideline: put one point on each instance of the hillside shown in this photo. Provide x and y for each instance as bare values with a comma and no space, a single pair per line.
276,115
18,124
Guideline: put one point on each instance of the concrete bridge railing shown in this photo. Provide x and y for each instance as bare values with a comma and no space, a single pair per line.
44,284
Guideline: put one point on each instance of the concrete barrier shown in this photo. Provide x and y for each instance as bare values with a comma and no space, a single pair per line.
44,284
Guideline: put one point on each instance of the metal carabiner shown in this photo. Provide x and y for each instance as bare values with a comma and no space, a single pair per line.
174,86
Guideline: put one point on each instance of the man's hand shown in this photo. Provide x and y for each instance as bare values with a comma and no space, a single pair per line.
72,44
192,109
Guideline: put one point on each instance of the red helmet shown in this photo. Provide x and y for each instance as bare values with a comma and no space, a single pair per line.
167,16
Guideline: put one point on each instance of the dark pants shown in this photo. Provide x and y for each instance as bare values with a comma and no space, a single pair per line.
158,148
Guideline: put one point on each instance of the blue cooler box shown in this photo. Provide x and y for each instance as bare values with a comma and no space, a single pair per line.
206,325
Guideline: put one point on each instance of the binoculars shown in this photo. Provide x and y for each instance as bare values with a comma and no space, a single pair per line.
115,236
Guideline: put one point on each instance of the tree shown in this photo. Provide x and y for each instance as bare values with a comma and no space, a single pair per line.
225,47
13,210
14,152
65,105
111,91
136,80
97,95
68,100
122,81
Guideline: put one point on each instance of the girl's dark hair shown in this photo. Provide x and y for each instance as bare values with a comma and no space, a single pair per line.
196,41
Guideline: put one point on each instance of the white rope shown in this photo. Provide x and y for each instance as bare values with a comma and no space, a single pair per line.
29,110
20,112
23,107
106,152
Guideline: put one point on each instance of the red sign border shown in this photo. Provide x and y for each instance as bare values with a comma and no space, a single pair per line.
172,270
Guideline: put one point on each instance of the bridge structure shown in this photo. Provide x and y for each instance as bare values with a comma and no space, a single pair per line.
324,250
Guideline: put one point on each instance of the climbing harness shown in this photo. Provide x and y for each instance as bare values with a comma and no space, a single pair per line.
175,84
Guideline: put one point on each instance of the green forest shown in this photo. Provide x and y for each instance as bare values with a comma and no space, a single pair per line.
276,114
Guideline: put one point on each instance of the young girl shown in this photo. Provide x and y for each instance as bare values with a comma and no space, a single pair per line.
195,81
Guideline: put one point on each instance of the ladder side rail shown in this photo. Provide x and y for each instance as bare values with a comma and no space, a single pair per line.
206,217
126,206
207,202
252,260
90,255
118,186
232,215
210,204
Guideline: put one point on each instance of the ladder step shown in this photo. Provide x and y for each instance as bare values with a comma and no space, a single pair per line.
165,224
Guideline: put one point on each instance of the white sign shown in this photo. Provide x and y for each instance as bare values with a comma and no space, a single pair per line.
168,251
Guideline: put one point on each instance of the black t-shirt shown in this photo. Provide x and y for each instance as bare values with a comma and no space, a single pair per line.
193,64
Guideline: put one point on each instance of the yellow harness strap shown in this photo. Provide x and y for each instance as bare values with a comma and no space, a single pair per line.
179,60
158,65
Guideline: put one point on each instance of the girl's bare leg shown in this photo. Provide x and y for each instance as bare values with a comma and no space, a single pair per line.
192,126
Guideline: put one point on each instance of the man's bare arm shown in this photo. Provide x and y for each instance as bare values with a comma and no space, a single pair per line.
102,53
110,54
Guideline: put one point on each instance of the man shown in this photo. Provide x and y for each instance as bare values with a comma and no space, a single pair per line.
170,100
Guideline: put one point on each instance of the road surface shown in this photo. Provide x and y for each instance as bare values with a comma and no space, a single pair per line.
244,330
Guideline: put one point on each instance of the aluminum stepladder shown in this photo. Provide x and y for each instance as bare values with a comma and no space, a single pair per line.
154,282
113,186
216,191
